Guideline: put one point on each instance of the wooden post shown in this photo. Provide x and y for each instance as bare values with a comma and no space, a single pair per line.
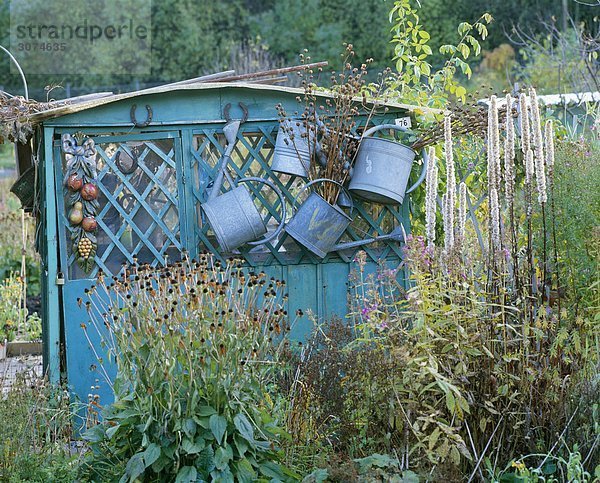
52,309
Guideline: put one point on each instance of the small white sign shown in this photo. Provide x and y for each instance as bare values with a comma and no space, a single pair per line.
403,122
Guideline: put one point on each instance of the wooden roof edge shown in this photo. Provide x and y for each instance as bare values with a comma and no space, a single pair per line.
72,108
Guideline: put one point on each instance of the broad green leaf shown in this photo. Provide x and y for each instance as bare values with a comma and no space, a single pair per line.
271,469
222,476
218,425
461,92
454,455
205,461
450,401
223,455
187,474
409,477
135,466
244,426
110,432
151,454
192,447
189,427
317,476
206,411
244,471
240,444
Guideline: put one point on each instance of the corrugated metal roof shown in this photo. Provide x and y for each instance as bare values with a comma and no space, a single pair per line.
66,109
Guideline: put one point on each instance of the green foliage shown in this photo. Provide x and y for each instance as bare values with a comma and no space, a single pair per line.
560,62
321,27
35,433
11,240
11,312
371,469
417,81
197,353
577,207
553,469
443,376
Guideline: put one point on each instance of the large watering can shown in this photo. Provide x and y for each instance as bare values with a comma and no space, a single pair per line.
233,216
382,168
235,219
317,225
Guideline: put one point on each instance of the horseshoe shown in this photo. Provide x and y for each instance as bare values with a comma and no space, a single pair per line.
123,169
226,109
135,122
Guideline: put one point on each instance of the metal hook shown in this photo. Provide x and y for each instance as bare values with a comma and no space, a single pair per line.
243,107
135,122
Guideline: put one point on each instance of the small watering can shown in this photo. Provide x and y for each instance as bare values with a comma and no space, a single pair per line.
382,168
293,149
317,225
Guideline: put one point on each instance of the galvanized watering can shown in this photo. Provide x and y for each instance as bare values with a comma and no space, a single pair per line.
382,168
235,219
317,225
293,149
233,216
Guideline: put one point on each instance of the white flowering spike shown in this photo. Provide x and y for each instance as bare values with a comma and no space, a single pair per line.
448,219
528,177
431,191
493,148
524,121
495,221
462,211
450,185
549,145
509,153
538,144
529,166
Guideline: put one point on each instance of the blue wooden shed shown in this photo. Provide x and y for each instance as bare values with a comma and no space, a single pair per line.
154,155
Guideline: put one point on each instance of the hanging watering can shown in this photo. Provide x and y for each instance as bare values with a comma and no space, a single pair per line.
317,225
233,215
292,154
382,168
292,151
235,219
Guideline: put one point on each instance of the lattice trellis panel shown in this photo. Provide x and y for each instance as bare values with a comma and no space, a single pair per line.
252,157
138,218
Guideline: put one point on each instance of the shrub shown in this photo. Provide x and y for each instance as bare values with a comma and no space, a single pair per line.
196,347
36,431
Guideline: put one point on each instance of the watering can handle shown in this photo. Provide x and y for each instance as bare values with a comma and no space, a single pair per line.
374,129
320,180
276,233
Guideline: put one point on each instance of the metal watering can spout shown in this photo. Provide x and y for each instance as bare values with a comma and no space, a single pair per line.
397,234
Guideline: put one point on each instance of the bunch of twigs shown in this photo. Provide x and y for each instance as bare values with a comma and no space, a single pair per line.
14,117
467,118
330,119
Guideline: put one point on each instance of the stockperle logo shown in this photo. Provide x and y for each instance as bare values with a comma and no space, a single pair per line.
81,37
